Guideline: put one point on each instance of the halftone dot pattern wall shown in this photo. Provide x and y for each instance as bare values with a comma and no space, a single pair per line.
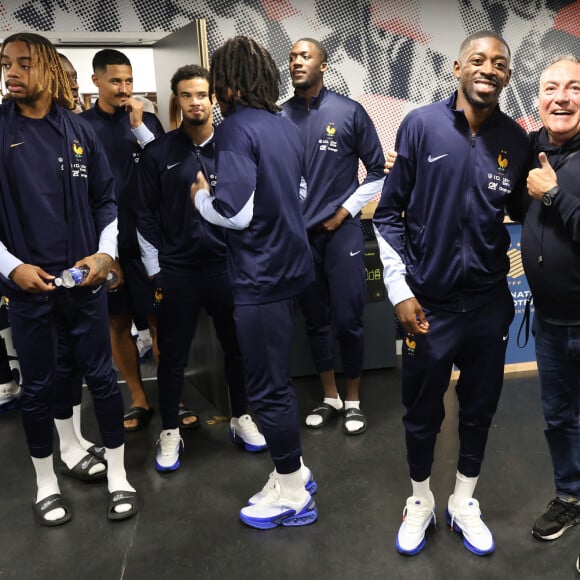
391,56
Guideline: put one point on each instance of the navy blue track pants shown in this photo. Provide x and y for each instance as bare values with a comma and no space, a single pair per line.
265,333
36,322
183,297
476,343
334,302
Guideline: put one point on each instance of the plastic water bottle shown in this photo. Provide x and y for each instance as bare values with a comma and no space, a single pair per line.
72,277
111,279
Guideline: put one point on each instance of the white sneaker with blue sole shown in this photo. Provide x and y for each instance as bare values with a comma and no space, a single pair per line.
273,510
245,433
169,444
418,515
309,484
465,519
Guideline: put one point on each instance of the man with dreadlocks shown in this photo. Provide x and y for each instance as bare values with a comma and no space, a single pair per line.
60,214
257,197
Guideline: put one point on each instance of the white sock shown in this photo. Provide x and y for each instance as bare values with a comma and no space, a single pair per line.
423,489
292,485
71,451
76,416
315,419
353,425
47,484
144,334
117,476
464,487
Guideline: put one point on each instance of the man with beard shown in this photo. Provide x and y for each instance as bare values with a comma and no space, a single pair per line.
443,246
336,132
186,257
124,128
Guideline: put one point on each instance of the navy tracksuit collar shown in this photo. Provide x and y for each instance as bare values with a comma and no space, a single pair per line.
314,101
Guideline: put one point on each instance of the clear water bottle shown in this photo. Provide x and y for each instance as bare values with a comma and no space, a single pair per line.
72,277
111,279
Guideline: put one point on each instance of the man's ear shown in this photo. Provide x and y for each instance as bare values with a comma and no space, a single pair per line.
95,79
323,67
457,69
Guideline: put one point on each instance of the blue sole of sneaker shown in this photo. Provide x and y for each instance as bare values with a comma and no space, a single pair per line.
247,446
417,548
288,519
311,486
165,469
473,549
409,552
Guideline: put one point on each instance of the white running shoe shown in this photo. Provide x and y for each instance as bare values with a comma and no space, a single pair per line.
418,515
245,433
465,519
170,444
9,392
273,510
309,484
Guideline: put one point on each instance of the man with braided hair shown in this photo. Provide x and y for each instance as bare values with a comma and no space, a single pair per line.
259,160
61,214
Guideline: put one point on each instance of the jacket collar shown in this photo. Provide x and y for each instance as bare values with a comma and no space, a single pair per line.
314,102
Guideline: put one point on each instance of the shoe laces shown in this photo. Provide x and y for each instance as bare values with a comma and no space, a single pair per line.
248,426
561,511
470,516
416,512
169,444
272,494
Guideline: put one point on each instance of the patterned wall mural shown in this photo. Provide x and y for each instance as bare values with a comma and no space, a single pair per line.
390,55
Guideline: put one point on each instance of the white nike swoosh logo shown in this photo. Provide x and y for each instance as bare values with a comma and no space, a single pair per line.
173,165
504,338
355,253
16,144
432,159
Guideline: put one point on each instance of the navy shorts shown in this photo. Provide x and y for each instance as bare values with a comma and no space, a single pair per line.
135,296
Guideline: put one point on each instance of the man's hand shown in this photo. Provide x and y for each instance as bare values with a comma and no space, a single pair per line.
99,266
336,220
32,279
410,314
135,109
117,271
541,179
201,183
391,158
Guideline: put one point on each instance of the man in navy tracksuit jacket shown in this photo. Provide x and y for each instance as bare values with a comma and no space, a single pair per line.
58,215
187,258
124,128
443,246
259,165
336,133
551,257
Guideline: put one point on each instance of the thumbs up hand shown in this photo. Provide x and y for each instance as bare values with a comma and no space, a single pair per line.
542,178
